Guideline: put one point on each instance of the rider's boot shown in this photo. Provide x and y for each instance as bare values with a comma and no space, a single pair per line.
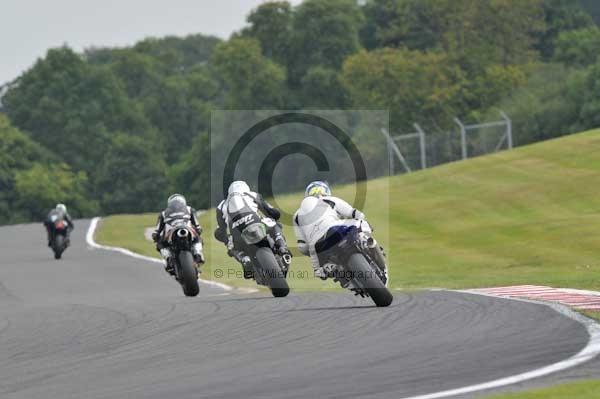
282,248
247,267
198,253
166,255
244,260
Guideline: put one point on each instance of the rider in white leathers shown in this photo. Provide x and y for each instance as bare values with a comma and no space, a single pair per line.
318,213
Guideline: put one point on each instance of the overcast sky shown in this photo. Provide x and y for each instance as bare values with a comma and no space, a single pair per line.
29,27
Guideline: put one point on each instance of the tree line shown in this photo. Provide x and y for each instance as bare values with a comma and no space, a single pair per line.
113,130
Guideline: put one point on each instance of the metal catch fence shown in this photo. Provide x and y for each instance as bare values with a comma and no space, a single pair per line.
421,150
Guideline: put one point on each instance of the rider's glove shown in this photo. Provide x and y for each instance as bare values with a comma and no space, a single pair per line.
155,236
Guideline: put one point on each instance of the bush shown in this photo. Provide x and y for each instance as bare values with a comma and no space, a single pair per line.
578,47
547,106
39,188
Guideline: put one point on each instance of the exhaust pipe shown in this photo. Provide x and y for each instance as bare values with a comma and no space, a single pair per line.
370,243
182,233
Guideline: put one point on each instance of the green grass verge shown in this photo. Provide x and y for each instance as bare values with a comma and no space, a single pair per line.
592,314
577,390
127,231
526,216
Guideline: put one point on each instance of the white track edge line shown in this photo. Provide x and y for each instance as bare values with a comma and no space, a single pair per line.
89,238
591,350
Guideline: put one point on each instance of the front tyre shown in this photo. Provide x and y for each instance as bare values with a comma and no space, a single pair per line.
272,272
187,275
362,272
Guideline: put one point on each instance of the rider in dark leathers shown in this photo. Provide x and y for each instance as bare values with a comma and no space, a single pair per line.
177,211
239,191
58,213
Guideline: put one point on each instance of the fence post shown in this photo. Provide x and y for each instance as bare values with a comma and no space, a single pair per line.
463,138
394,148
391,159
422,145
508,129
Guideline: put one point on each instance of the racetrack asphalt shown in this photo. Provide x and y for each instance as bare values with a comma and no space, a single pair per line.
98,324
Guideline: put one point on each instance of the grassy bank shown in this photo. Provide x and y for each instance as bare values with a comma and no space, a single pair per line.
127,231
577,390
530,215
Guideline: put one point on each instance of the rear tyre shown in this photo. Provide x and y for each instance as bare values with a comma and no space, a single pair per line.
362,272
187,274
59,246
272,272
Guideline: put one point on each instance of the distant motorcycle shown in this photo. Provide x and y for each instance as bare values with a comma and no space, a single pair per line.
180,240
269,268
59,241
351,260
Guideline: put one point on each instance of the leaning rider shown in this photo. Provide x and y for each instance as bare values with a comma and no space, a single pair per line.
177,211
240,199
319,220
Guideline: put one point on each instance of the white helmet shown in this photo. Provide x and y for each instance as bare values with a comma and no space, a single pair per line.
238,187
176,199
61,208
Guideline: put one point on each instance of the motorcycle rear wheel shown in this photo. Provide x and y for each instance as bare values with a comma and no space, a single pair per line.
272,272
59,246
187,274
361,270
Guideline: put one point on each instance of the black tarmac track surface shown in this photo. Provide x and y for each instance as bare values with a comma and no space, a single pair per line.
98,324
